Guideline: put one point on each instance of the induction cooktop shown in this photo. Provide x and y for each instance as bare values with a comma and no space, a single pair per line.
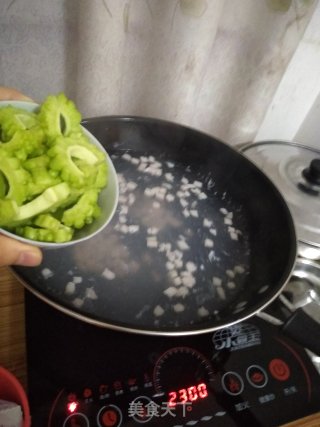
83,375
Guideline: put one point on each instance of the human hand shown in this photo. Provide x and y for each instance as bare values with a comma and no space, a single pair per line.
13,252
8,93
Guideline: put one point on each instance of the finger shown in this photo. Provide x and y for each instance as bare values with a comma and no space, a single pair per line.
13,252
8,93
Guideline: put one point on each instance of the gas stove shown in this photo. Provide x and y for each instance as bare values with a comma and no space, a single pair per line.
83,375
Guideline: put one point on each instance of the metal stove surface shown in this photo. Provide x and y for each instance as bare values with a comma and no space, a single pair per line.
82,375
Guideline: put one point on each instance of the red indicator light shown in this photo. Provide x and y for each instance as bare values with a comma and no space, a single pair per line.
190,394
72,407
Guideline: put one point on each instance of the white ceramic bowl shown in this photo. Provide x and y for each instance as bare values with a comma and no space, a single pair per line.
108,198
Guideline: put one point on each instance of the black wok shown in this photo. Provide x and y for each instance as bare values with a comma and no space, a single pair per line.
201,238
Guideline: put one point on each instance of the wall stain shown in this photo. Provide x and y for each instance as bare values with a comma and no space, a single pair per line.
279,5
125,17
104,2
190,64
174,13
282,61
194,8
308,3
284,5
10,5
296,20
149,8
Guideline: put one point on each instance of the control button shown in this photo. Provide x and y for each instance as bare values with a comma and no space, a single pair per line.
103,388
132,382
279,369
87,392
257,376
118,388
232,383
117,385
104,391
109,416
76,420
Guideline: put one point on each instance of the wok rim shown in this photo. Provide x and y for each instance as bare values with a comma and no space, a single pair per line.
287,273
149,332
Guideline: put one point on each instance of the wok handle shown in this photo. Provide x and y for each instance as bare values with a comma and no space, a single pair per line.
303,329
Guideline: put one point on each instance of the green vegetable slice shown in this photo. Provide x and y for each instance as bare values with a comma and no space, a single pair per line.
13,119
59,116
50,173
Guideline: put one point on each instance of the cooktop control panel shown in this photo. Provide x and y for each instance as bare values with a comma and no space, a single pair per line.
81,375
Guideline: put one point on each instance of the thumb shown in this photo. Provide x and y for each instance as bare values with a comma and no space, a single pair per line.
13,252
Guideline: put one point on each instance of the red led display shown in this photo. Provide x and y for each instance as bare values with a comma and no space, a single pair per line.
190,394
